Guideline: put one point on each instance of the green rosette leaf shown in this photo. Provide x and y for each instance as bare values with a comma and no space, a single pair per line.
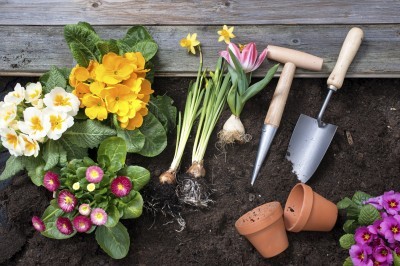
359,197
396,259
155,136
113,216
350,226
133,208
134,139
348,262
368,215
161,107
346,241
114,148
14,165
49,217
114,241
138,175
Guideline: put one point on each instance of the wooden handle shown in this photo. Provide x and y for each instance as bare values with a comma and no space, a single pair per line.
349,49
300,59
278,102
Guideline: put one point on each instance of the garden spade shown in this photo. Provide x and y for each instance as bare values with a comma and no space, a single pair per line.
312,137
292,59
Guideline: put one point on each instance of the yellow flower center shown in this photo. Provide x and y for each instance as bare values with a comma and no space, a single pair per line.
36,123
8,115
51,182
225,33
366,236
120,186
361,256
60,100
186,43
34,94
82,225
94,174
99,216
12,139
76,186
56,122
393,204
30,146
384,252
91,187
68,200
395,230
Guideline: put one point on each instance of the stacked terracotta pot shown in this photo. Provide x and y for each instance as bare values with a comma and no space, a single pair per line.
305,210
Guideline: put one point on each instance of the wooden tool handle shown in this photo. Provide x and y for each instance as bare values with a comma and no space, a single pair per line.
349,49
278,102
300,59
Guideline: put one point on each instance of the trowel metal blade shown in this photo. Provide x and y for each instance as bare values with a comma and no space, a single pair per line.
308,145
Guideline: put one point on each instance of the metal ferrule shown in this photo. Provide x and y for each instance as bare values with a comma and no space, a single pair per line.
267,135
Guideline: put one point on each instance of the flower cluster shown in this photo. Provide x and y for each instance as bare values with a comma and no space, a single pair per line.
379,242
117,85
29,117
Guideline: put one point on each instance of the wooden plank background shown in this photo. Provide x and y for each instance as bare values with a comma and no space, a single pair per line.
32,34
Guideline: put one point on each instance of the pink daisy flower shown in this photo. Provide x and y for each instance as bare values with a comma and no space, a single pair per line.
51,181
66,201
98,216
84,209
94,174
64,225
82,224
38,224
121,186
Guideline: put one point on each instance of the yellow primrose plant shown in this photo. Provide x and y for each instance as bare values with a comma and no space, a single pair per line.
69,111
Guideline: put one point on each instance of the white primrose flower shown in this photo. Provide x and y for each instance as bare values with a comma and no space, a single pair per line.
38,104
16,96
36,123
31,146
12,141
59,122
60,100
33,92
8,112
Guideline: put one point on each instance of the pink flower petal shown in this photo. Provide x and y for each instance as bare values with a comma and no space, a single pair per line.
38,224
260,59
98,216
51,181
64,225
249,57
82,224
67,201
121,186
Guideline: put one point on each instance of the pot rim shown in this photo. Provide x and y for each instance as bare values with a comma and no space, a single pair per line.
245,228
304,214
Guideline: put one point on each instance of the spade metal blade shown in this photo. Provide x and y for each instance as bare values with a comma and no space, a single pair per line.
308,145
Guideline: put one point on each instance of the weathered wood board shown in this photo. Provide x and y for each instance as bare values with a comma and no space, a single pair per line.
32,34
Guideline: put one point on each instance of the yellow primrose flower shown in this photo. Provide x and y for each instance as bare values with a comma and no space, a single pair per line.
145,91
95,107
226,34
31,147
114,69
76,186
134,84
92,69
190,42
81,90
91,187
78,74
97,87
14,143
138,61
117,99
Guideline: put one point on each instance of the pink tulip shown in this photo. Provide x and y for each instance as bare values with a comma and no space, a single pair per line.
247,57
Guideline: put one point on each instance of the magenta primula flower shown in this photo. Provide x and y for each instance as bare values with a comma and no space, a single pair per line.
376,228
359,255
67,201
94,174
84,209
64,225
363,236
121,186
376,202
98,216
391,202
82,224
51,181
247,57
390,228
38,224
382,254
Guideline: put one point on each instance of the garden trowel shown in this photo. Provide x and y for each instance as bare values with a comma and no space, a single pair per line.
312,137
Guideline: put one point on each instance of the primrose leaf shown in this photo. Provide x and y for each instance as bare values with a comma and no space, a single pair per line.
55,77
114,241
51,154
396,259
155,136
134,139
138,175
35,167
88,134
51,214
161,107
150,74
350,226
348,262
106,47
136,34
346,241
113,216
147,48
359,197
115,149
344,203
14,165
73,151
368,215
133,208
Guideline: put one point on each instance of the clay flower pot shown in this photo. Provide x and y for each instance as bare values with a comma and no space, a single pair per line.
306,210
265,229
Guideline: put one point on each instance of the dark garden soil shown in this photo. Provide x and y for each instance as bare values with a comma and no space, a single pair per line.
367,110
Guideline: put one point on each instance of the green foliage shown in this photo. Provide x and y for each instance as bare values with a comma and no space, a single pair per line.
134,139
350,226
147,48
348,262
359,197
72,150
114,241
396,259
106,47
139,176
368,215
155,136
52,152
35,167
56,77
49,217
134,207
88,134
114,148
161,107
113,216
257,87
14,165
346,241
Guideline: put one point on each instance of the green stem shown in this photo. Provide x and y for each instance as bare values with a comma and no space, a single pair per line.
51,214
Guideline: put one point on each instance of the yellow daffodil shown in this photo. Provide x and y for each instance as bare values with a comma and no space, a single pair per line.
117,99
226,34
95,107
36,123
14,143
59,122
190,42
114,69
60,100
30,146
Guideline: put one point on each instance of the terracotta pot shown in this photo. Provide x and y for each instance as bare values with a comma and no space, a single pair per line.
265,229
306,210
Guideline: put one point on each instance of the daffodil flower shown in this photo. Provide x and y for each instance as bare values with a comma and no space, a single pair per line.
190,42
12,141
33,92
60,100
36,123
16,96
226,34
59,121
30,146
8,112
